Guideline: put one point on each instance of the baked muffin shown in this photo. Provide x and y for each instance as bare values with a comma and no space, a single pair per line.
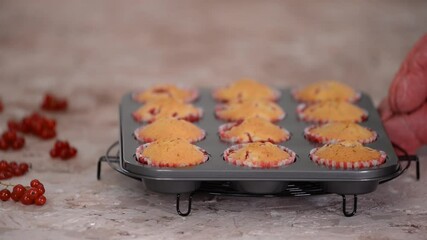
245,89
171,153
347,155
167,108
339,131
326,91
163,91
252,129
259,155
331,111
239,110
169,128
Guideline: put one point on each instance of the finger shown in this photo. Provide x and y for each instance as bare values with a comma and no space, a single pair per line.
400,133
384,110
417,123
408,90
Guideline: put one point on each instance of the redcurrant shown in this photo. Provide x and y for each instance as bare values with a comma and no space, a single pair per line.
4,195
40,200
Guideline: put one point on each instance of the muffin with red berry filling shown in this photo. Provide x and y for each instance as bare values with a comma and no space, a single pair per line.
259,155
347,155
169,128
164,91
167,108
171,153
326,91
239,110
339,131
245,89
253,129
331,111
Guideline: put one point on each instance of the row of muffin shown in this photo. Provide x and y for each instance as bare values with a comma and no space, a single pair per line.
251,110
169,135
329,104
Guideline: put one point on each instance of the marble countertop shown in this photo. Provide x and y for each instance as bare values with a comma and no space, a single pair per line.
94,52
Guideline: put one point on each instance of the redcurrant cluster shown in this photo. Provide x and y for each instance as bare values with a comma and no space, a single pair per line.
33,194
36,124
10,139
63,150
12,169
54,103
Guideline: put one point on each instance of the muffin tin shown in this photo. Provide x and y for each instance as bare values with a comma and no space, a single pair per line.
251,180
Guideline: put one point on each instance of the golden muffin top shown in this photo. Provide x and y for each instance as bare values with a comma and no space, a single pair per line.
347,151
164,91
246,89
326,91
239,110
253,129
259,154
339,131
169,128
331,111
167,108
171,153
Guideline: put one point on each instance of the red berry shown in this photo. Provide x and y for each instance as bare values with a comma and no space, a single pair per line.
40,189
35,183
7,174
26,199
33,193
40,200
24,167
59,144
64,154
18,172
14,125
53,103
18,143
19,191
50,123
54,153
15,197
66,145
13,164
73,151
3,144
9,136
3,165
4,195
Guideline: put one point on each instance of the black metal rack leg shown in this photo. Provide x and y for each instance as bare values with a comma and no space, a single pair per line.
178,200
98,171
344,206
412,158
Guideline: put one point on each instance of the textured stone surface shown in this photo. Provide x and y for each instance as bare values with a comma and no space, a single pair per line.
93,52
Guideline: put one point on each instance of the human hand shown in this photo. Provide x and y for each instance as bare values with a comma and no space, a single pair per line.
404,111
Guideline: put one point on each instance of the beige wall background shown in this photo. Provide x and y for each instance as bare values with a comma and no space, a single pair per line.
116,46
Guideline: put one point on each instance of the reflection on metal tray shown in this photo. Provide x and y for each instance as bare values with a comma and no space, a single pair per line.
260,181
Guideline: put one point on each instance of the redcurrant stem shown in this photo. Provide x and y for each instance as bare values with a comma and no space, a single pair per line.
6,184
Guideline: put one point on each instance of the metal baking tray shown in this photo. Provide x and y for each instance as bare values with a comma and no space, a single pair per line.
251,180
